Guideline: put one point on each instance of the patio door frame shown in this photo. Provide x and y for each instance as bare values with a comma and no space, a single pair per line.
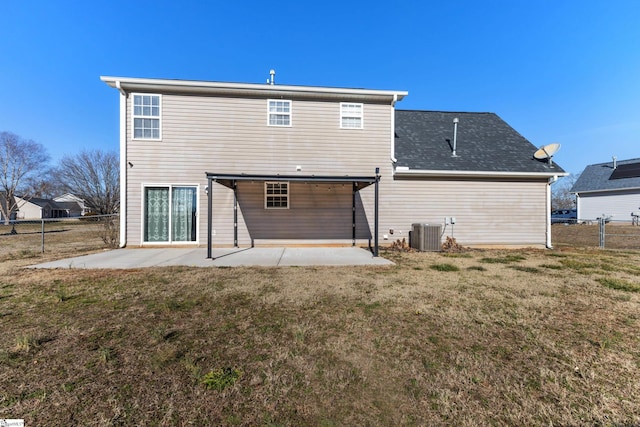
170,240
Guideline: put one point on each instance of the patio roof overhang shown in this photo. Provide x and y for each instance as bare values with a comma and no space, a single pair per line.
230,180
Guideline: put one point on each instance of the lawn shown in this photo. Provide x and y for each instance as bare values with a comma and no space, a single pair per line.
527,337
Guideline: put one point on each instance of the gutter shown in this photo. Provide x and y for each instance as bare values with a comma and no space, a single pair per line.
393,128
403,171
123,165
245,89
605,190
548,211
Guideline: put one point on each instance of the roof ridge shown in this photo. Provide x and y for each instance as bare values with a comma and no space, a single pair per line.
618,161
448,112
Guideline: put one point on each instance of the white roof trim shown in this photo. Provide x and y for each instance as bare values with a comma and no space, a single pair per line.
189,86
475,174
607,190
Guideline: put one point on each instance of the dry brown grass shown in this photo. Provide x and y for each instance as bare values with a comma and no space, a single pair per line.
617,235
511,338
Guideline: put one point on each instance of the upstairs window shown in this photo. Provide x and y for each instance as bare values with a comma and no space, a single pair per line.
279,112
350,115
276,195
146,116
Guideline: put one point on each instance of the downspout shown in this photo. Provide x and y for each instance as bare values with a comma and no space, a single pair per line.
123,165
548,211
393,128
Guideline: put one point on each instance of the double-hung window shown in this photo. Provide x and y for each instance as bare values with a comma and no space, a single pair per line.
350,115
276,195
279,112
146,116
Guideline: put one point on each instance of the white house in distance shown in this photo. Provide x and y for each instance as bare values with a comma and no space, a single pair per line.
609,189
75,205
234,164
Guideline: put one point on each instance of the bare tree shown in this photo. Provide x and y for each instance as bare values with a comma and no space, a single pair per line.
93,176
561,197
22,161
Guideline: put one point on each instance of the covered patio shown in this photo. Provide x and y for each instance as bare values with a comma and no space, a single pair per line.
231,181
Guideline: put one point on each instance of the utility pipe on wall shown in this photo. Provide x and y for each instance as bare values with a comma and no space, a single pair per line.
455,136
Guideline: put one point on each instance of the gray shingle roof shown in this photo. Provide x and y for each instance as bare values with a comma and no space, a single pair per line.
485,142
596,178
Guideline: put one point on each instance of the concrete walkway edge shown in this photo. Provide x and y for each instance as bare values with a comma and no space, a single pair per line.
223,257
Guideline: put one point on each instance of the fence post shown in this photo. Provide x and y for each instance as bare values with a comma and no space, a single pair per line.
601,221
42,235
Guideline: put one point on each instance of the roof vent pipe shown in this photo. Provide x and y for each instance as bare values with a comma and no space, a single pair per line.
272,73
615,162
455,136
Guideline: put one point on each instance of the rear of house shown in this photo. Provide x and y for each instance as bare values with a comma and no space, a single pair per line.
475,169
175,132
299,164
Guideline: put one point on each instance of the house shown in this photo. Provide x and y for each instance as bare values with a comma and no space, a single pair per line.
611,189
74,205
39,208
475,168
226,164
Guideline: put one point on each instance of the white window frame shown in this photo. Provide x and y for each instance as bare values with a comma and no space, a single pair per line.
279,195
346,112
135,116
271,113
142,213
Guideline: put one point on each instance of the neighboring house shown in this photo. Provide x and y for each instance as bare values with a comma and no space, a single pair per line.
237,164
609,189
38,208
74,205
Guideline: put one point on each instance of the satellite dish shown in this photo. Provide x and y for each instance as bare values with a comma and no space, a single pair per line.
547,152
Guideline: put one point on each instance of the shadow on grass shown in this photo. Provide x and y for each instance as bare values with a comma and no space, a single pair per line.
17,233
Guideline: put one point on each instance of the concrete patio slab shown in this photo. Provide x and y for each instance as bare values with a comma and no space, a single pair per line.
222,257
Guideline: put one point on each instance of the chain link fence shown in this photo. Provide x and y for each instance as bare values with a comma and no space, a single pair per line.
19,238
602,233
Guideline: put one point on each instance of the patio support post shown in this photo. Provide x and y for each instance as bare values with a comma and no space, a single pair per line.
235,213
376,201
209,217
354,188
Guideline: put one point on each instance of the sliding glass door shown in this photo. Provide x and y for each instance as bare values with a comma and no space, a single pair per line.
170,214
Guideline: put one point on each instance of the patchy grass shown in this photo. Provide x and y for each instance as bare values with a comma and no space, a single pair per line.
506,259
619,284
525,268
220,378
444,267
520,341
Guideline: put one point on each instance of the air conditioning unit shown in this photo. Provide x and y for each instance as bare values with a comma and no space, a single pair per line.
425,237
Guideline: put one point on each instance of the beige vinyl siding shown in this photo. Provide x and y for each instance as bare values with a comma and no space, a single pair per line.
230,135
317,212
487,212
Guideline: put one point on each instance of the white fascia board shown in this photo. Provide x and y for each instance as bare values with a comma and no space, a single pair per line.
608,190
245,89
474,174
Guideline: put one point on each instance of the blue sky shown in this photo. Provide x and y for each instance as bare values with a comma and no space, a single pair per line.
557,71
